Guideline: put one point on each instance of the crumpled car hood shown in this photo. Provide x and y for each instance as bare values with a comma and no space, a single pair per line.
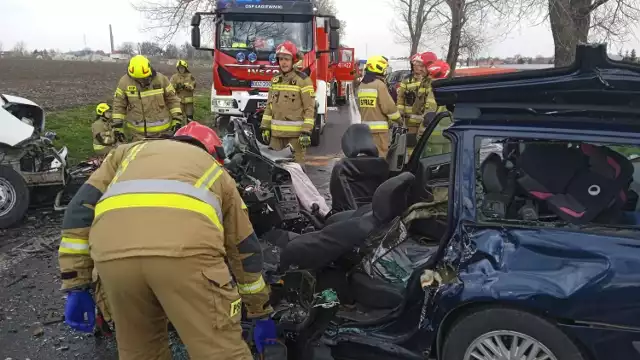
12,130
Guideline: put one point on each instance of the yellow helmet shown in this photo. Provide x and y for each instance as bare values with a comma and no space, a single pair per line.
377,64
102,108
182,63
139,67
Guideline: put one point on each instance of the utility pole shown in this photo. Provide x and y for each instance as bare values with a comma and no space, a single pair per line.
111,38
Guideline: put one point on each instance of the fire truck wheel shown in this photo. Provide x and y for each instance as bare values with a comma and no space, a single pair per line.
14,197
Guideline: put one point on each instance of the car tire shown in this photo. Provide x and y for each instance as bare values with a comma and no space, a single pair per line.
14,197
315,133
512,322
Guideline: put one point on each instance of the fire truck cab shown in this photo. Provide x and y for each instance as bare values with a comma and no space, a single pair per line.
246,33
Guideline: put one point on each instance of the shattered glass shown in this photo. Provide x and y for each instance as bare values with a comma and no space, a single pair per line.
392,254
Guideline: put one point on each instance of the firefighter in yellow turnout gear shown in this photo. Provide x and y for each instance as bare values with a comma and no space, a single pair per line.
415,97
290,112
107,134
376,105
158,229
185,84
146,101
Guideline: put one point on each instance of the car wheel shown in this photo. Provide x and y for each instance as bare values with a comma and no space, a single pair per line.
507,334
315,133
14,197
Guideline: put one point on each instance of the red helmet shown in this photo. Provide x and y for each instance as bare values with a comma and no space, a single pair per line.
439,69
204,135
288,48
428,57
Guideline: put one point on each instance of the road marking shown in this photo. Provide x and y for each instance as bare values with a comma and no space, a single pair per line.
332,108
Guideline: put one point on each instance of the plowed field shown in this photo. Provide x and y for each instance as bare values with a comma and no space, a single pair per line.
57,85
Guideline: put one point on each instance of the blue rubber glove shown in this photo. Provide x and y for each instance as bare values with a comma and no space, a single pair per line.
80,311
264,333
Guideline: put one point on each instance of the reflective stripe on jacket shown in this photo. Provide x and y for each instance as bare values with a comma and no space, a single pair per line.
145,200
376,106
157,104
415,100
290,106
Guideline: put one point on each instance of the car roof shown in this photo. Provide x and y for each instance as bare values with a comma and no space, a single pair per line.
593,92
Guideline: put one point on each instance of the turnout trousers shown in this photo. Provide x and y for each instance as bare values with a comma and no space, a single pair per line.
194,293
279,143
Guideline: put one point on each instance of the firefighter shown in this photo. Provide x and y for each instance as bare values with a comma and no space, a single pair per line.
146,101
159,231
376,105
107,134
184,83
415,97
437,144
290,112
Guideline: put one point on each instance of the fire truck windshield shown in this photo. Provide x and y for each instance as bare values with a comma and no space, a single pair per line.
262,35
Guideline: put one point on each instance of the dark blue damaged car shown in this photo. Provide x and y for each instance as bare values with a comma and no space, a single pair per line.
521,243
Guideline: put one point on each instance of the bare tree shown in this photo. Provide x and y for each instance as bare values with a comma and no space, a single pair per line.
171,51
187,51
149,48
573,21
127,48
20,48
413,21
467,22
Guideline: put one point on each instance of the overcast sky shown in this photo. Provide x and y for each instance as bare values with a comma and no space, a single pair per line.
69,24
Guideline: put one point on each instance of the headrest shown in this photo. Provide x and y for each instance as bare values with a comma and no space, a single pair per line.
391,198
494,174
357,139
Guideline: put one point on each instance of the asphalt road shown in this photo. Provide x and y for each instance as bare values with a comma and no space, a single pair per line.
31,305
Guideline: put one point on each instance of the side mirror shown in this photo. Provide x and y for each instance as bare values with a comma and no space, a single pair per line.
327,26
334,40
195,36
195,20
334,23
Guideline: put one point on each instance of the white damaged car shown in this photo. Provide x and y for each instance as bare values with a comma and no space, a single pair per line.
29,163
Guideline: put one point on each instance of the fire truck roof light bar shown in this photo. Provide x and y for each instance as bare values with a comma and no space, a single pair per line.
286,7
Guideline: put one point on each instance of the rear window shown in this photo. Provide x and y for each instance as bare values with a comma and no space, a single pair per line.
532,182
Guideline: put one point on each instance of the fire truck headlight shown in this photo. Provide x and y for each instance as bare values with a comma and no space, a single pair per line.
224,103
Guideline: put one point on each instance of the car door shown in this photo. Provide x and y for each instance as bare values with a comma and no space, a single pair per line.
430,161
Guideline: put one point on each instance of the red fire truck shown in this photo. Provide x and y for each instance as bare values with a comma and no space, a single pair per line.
246,35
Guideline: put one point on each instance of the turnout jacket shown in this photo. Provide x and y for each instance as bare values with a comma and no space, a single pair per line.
156,104
290,107
185,84
376,106
145,200
415,100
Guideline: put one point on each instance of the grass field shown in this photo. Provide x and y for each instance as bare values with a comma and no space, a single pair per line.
73,126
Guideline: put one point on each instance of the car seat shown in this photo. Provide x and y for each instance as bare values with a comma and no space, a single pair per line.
355,178
499,187
315,250
579,183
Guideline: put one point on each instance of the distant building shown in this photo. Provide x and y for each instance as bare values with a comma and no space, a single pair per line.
119,56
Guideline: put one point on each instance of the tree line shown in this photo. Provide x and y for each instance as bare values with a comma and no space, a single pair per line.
466,23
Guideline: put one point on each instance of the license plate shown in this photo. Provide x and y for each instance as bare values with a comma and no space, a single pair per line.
260,84
262,104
